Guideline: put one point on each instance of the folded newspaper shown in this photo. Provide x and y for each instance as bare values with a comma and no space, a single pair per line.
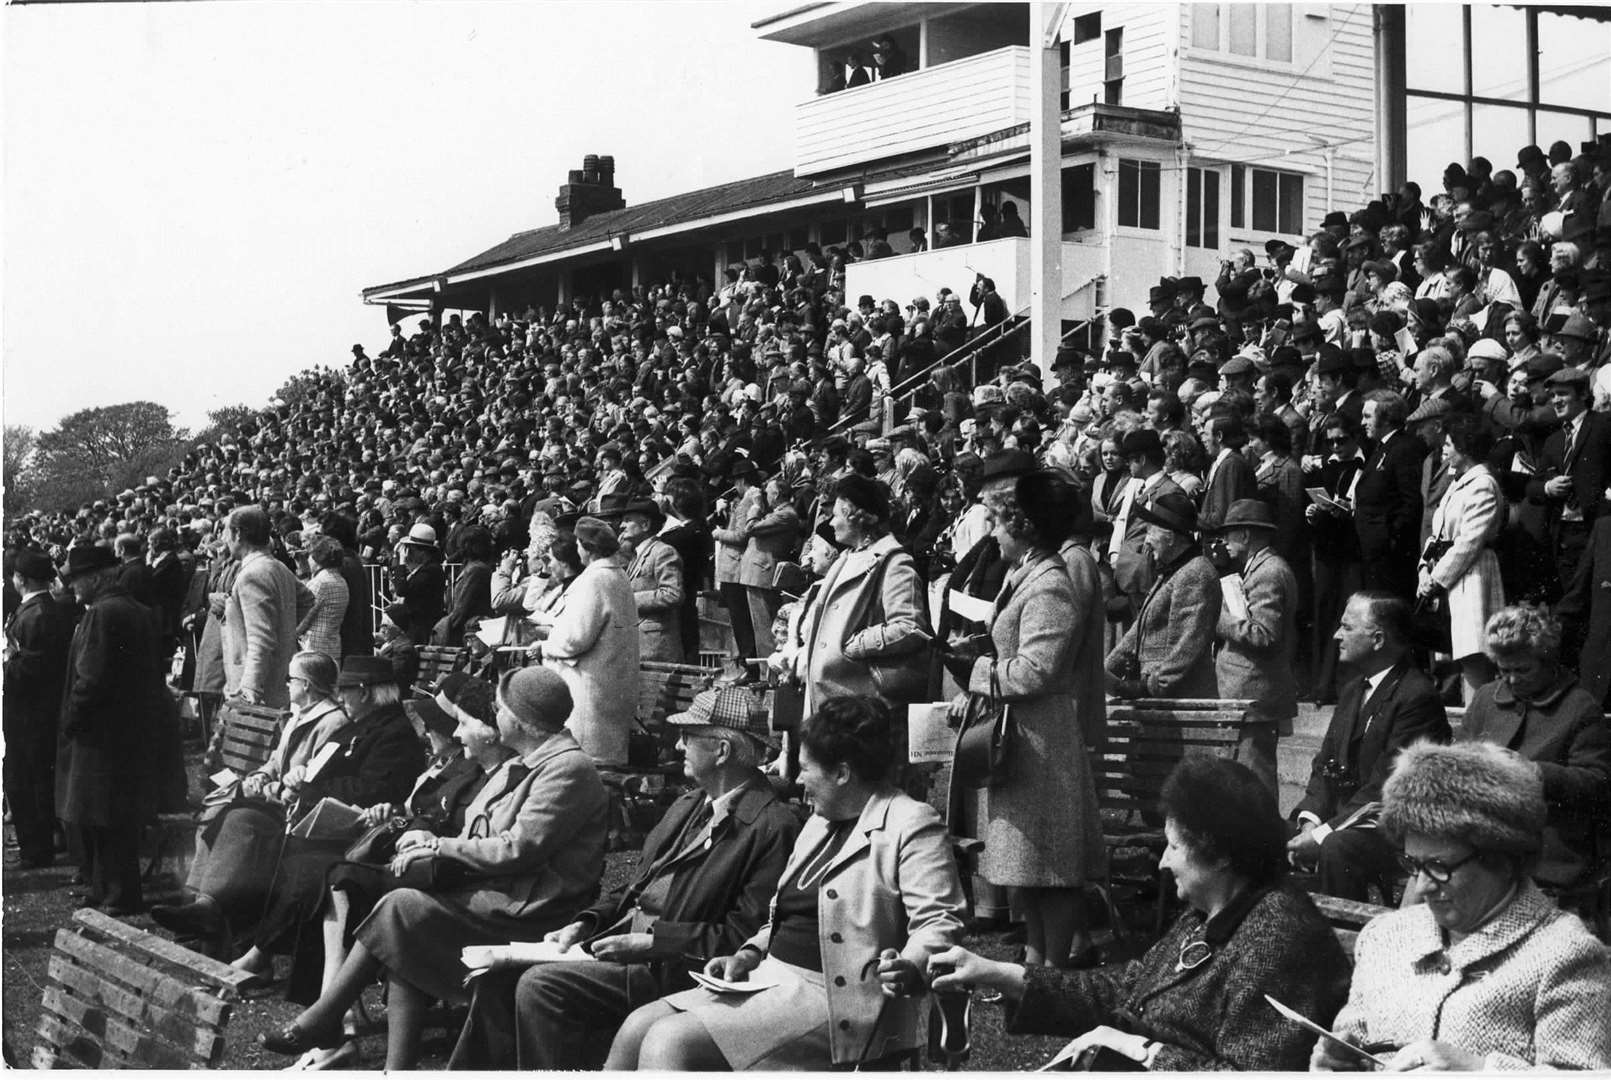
330,819
521,953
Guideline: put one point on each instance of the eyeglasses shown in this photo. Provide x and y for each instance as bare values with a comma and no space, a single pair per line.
1436,870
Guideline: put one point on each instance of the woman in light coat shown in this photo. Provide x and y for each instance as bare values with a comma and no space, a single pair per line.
593,643
1459,566
865,632
1041,828
773,538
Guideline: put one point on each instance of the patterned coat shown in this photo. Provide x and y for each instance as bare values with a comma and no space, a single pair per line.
1255,659
1042,827
1170,646
320,630
1212,1016
1530,989
657,583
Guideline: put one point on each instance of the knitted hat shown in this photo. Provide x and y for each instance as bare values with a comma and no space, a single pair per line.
864,493
1479,793
537,696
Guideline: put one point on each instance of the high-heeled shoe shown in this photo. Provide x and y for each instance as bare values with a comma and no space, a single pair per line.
292,1039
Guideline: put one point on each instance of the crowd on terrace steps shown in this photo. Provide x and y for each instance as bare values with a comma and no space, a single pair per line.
1369,471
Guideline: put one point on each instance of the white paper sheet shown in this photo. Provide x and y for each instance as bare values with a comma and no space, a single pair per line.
972,608
929,737
1230,591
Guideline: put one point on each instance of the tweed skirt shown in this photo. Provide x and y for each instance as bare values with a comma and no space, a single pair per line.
418,937
783,1027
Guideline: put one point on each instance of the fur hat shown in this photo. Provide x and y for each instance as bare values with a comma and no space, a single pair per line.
1480,793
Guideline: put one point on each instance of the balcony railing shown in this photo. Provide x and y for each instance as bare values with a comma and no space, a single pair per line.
963,99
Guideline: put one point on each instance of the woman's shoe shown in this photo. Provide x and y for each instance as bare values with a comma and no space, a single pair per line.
292,1039
344,1056
1088,957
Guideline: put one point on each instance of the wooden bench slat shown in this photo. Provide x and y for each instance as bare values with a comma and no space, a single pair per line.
221,978
139,1048
83,1049
150,1003
79,991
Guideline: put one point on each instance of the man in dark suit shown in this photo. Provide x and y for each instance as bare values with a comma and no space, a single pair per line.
1387,498
1230,476
38,636
1574,468
1387,706
110,719
702,887
1586,609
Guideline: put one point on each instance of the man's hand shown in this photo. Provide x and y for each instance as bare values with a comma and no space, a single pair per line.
1558,487
1303,848
253,784
1131,1046
624,948
898,976
566,936
376,814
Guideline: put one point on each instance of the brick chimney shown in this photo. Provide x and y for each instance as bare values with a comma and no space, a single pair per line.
587,191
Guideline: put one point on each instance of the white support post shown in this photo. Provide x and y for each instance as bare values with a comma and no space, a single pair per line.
1046,193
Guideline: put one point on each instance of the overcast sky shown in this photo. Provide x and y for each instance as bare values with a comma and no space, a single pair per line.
195,193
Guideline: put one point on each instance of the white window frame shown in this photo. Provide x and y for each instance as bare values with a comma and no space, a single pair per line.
1222,52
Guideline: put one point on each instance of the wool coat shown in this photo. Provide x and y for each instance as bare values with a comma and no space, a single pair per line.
529,857
1170,646
376,761
773,539
210,674
1470,517
1387,512
1212,1016
1256,653
1529,989
1566,733
866,631
893,885
113,711
732,538
38,638
261,615
1042,827
655,575
593,644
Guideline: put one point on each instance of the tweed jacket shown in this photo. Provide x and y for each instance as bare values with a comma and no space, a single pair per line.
1170,646
260,620
894,885
1133,571
773,539
1529,989
1564,731
719,881
534,843
1365,736
1212,1016
730,541
1255,658
655,575
594,647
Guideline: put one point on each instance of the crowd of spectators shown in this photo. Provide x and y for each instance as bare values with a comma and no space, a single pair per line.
1372,473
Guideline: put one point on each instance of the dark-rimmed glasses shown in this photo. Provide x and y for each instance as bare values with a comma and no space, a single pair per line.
1436,870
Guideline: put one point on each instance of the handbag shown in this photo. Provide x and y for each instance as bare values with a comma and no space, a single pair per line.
983,754
378,843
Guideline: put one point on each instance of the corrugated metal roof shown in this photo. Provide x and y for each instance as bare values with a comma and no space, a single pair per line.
721,199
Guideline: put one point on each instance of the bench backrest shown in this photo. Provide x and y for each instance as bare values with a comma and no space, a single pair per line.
664,689
118,998
1145,739
1347,917
439,661
247,734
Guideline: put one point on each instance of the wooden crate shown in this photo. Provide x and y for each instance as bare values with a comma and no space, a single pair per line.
120,998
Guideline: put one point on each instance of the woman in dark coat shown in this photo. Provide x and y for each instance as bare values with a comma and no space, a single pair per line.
1195,1000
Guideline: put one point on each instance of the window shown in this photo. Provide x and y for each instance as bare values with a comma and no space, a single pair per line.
831,232
1063,65
1079,198
1087,28
1202,208
1113,71
1262,31
1272,201
1140,194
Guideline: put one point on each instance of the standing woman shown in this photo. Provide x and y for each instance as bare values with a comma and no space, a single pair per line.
774,538
593,643
1041,828
1459,567
419,580
320,630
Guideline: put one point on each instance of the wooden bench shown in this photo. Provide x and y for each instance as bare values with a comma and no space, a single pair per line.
640,794
439,661
664,689
120,998
1143,742
247,734
1347,917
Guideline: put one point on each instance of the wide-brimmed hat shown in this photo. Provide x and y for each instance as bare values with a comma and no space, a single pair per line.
419,535
35,566
1247,514
428,714
1171,510
649,509
366,671
1477,792
730,707
87,558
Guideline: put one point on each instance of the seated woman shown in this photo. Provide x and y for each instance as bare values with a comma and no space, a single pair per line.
869,892
529,856
316,905
243,831
1537,708
1195,1000
1487,973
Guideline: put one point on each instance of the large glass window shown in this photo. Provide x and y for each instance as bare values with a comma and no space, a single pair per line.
1272,201
1257,30
1278,32
1202,208
1496,67
1140,194
1244,39
1435,134
1574,61
1205,26
1435,33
